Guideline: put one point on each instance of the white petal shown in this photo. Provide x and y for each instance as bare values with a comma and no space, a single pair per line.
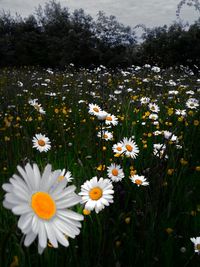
71,214
58,195
21,209
69,202
30,237
60,237
51,234
42,235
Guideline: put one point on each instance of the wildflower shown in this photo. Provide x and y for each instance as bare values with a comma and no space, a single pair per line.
144,100
102,115
96,194
181,112
43,208
115,172
153,116
139,180
153,107
192,103
36,105
41,142
130,147
111,119
106,135
94,109
159,150
196,241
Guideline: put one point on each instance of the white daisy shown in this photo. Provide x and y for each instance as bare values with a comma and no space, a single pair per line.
41,142
196,241
192,103
144,100
159,150
94,109
115,172
130,147
181,112
43,208
153,116
96,194
111,119
118,148
139,180
106,135
153,107
36,105
102,115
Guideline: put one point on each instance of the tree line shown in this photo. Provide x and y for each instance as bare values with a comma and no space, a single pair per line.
53,37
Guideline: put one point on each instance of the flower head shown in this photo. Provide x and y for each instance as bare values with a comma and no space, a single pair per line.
96,194
139,180
43,208
115,172
130,147
41,142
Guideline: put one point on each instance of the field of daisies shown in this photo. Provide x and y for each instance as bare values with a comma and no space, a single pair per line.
99,167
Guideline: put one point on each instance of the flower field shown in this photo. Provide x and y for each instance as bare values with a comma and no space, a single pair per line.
99,167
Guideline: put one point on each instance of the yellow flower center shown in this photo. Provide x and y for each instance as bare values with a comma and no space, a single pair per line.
198,247
119,148
105,136
115,172
95,193
129,148
41,142
43,205
109,118
137,181
96,109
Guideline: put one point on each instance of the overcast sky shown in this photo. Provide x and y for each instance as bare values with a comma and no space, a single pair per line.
130,12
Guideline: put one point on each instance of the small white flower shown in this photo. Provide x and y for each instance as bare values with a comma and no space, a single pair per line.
115,172
41,142
139,180
96,194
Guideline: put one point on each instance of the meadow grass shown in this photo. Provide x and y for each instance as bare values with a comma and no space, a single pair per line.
145,226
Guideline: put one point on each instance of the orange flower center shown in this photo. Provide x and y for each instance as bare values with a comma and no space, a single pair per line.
137,181
96,109
105,136
41,142
129,148
43,205
95,193
119,148
115,172
109,118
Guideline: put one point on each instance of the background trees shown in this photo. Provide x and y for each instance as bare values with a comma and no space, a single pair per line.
54,37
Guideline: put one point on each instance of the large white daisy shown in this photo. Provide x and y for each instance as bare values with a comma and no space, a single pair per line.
43,208
96,194
41,142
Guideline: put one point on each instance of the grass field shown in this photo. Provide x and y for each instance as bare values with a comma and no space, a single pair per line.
159,110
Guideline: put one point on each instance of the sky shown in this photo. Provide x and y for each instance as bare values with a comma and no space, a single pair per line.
129,12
